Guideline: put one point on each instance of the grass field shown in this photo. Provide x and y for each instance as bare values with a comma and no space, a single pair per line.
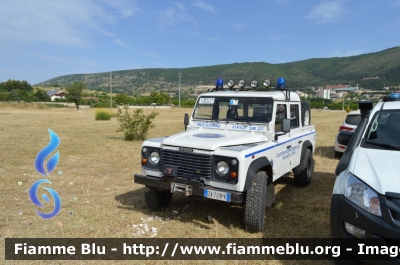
94,178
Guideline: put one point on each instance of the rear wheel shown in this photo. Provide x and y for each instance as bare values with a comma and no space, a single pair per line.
157,199
304,171
254,205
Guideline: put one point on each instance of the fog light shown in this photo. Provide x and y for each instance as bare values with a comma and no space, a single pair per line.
354,230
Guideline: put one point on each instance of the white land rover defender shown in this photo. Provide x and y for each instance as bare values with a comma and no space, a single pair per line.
235,146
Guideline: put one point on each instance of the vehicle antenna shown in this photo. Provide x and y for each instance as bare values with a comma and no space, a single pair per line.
248,70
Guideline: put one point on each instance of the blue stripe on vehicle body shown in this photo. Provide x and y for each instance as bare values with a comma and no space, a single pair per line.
268,148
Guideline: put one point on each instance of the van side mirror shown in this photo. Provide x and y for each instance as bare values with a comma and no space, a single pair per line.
285,128
186,120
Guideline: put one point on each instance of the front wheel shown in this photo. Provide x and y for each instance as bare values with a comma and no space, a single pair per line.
157,199
254,205
304,171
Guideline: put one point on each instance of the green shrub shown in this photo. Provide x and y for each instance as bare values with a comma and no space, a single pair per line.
137,125
103,115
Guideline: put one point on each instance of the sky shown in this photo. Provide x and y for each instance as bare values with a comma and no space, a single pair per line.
43,39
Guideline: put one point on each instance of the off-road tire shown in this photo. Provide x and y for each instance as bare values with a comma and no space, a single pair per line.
254,204
305,114
156,199
304,171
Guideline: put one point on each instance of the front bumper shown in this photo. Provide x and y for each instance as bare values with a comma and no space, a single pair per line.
378,231
197,187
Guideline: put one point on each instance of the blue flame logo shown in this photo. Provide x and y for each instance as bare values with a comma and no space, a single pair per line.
45,152
35,199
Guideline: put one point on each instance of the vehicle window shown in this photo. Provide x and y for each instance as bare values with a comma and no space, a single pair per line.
280,115
257,110
384,129
353,119
294,116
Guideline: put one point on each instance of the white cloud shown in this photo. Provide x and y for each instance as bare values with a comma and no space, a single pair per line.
276,37
123,8
346,53
204,5
328,11
149,54
122,44
172,16
214,39
239,25
65,23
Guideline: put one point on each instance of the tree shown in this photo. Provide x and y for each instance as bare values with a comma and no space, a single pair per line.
41,95
74,92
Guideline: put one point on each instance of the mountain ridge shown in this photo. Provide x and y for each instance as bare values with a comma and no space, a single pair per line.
299,74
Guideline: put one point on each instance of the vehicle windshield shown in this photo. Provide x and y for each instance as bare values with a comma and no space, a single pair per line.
251,110
384,131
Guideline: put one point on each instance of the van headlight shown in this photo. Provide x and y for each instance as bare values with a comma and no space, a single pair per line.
154,157
222,167
359,193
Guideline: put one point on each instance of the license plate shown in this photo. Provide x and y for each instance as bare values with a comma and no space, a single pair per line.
217,195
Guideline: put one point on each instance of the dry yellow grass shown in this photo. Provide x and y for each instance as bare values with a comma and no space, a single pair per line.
100,200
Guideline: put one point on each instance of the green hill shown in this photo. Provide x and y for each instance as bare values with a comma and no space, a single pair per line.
312,72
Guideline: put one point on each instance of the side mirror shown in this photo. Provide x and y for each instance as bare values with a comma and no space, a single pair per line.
285,128
344,137
186,120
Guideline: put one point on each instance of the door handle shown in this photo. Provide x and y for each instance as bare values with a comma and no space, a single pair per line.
288,146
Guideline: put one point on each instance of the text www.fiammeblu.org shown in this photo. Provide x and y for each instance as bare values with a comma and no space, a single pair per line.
230,249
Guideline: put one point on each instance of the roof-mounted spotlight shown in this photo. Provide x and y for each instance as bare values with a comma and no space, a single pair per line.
266,83
254,84
231,83
241,84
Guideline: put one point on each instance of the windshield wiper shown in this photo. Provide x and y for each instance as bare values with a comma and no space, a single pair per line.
387,146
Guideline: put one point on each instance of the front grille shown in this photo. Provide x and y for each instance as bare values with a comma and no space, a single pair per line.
190,165
392,205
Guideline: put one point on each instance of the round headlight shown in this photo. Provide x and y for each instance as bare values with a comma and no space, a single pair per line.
222,167
254,83
231,83
234,162
154,157
241,83
266,83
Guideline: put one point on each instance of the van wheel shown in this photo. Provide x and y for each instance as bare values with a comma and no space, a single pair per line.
304,171
254,204
157,199
305,114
